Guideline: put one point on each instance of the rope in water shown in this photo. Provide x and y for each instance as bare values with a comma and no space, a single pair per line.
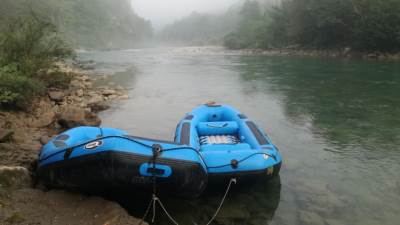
156,150
233,180
155,199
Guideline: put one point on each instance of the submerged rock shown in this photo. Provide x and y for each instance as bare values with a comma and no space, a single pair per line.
96,102
108,92
310,218
123,97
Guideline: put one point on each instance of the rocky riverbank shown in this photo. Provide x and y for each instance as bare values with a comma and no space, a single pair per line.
288,51
22,134
337,53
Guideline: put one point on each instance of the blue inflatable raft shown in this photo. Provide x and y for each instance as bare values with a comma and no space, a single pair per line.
212,141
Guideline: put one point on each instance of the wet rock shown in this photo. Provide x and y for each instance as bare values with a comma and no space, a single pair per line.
5,135
88,66
79,92
123,97
95,99
111,97
14,177
92,119
99,106
310,218
108,92
346,51
372,55
97,103
56,96
82,78
73,116
333,222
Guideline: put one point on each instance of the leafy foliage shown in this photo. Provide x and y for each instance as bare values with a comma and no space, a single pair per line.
31,43
96,24
29,46
36,34
17,90
365,25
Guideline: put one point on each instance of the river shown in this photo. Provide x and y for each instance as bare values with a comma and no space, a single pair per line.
335,121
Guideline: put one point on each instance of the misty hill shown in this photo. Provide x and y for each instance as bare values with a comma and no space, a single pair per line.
201,28
207,28
86,23
368,25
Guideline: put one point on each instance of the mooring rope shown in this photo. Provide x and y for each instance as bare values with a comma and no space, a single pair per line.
155,199
166,212
233,180
147,211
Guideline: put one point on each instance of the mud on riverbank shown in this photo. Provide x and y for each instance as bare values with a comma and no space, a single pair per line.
22,135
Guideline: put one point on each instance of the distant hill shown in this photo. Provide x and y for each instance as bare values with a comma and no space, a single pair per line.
201,28
86,23
207,28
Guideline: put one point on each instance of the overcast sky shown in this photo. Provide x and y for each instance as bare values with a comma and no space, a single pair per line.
163,12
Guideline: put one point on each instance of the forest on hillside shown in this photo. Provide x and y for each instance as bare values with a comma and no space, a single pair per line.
201,28
362,25
96,24
37,34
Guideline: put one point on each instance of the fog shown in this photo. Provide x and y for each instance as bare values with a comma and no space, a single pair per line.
163,12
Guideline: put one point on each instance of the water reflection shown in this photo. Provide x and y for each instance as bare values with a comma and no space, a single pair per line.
352,103
336,122
246,203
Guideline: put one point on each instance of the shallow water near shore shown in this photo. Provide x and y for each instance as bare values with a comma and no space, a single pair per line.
335,121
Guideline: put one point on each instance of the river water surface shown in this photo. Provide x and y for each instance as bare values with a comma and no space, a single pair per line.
335,121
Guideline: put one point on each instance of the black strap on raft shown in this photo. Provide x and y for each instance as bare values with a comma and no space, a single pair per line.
157,150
